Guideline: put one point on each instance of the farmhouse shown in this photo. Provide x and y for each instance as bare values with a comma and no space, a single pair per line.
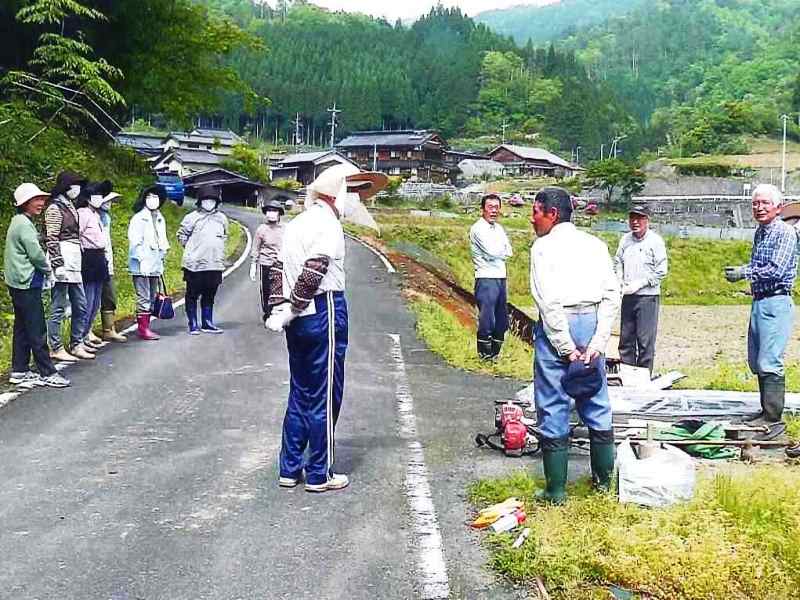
306,166
185,162
532,162
410,153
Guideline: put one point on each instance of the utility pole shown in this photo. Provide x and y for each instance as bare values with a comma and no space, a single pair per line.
375,157
577,155
333,112
602,147
297,126
784,118
504,126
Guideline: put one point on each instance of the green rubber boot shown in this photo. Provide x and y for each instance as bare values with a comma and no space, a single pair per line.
555,460
601,452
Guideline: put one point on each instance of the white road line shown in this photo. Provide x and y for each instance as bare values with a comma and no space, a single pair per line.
376,252
8,397
425,527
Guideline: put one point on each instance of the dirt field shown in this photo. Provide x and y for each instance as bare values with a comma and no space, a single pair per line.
691,336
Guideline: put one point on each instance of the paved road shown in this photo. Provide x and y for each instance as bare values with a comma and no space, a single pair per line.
154,475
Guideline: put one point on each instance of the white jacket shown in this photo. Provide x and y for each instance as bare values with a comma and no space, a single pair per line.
147,243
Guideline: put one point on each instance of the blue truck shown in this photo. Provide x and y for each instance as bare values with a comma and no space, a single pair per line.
173,185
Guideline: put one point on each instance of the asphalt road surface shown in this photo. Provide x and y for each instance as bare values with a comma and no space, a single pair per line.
155,475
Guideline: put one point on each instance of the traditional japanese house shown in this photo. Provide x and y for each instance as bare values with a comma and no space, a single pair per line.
410,153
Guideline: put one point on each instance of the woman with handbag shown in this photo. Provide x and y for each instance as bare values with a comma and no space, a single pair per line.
147,248
202,234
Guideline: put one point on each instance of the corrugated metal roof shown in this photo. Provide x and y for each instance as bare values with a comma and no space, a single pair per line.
199,157
199,139
529,153
302,157
387,138
222,134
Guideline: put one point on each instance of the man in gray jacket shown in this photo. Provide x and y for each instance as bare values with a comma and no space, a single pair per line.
202,234
641,265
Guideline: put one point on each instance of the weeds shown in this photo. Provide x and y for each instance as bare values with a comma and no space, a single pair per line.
736,539
448,338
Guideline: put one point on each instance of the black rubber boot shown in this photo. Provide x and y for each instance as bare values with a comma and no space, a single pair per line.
774,387
601,451
497,346
484,349
555,460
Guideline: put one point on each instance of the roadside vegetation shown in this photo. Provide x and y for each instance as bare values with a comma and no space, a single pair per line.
736,539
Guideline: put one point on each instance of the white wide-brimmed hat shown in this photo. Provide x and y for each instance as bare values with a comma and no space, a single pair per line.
26,192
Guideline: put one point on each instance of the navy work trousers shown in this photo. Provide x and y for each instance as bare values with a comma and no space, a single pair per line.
491,296
317,346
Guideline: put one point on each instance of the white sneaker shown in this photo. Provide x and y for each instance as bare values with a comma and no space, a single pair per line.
288,482
55,380
27,378
335,482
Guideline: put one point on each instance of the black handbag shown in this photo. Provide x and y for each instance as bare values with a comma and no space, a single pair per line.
162,307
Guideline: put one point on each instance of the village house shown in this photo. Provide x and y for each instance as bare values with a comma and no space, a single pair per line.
145,144
409,153
532,162
191,141
305,167
183,162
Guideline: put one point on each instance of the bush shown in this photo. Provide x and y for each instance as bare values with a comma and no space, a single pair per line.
701,167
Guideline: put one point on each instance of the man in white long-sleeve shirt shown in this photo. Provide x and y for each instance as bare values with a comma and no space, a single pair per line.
641,265
577,294
490,250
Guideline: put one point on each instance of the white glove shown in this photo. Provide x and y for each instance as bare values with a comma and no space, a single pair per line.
633,286
60,272
281,316
253,272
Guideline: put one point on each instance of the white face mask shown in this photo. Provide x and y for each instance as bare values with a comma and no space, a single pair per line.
73,192
106,207
208,205
272,216
96,201
152,202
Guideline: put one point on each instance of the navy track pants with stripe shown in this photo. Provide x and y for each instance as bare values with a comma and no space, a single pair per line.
317,346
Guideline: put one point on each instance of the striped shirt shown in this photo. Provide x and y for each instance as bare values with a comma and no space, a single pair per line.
773,262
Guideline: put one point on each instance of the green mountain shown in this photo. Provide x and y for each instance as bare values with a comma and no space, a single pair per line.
444,72
546,23
706,69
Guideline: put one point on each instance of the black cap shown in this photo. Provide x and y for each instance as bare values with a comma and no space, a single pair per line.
639,209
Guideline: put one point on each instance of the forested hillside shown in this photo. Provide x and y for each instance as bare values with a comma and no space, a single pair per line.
700,75
542,24
444,72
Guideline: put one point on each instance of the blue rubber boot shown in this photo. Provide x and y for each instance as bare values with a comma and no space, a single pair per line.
208,321
191,317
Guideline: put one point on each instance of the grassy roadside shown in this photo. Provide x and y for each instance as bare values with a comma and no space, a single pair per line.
736,539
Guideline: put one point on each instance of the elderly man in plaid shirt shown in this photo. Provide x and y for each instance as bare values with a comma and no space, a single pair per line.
771,273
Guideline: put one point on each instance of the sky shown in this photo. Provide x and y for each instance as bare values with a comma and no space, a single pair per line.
409,9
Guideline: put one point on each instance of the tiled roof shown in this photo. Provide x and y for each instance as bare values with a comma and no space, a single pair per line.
387,138
529,153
